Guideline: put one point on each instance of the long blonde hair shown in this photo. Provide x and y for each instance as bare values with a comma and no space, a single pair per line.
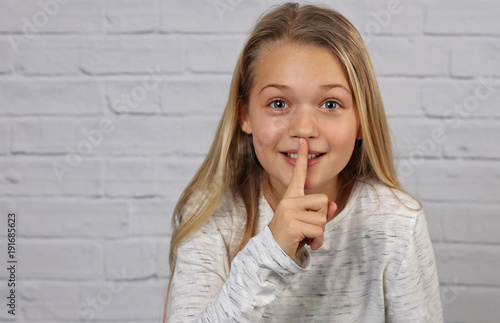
231,165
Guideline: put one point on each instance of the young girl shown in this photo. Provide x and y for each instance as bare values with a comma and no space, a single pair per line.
296,214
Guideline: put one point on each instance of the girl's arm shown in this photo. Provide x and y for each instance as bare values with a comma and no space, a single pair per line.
204,289
413,292
261,271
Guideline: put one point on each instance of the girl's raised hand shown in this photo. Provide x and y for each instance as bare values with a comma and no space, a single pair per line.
300,219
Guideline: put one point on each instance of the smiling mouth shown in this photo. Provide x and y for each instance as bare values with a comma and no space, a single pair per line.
309,156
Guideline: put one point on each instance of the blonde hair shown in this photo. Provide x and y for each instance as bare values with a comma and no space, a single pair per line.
231,165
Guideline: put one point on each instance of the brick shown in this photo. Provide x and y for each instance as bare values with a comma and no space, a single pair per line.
43,134
131,16
434,215
406,169
466,264
462,17
470,304
401,96
141,177
52,301
472,223
45,55
37,177
151,217
113,211
211,92
132,97
137,258
180,179
450,137
8,206
120,301
473,98
413,138
72,218
474,139
211,16
40,97
197,134
163,258
133,135
135,177
475,56
6,57
217,54
393,18
60,259
457,180
5,136
132,54
30,18
419,56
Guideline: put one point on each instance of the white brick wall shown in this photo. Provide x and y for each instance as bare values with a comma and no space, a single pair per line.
125,96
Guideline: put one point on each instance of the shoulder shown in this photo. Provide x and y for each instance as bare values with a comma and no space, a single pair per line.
228,214
387,212
230,209
228,220
382,198
222,228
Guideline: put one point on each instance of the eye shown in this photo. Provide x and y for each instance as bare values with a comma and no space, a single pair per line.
278,104
331,105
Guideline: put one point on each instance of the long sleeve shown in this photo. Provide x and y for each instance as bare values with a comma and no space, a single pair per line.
204,289
413,294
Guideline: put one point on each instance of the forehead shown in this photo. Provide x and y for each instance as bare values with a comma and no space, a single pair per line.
298,65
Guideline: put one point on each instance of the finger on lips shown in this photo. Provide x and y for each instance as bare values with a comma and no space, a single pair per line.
298,180
312,211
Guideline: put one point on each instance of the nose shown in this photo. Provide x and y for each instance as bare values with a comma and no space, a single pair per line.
303,123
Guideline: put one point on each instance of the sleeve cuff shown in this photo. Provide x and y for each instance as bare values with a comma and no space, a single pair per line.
299,264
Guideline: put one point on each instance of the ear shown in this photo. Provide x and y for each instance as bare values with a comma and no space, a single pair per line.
244,120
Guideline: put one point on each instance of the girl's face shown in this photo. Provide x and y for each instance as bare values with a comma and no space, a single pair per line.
301,91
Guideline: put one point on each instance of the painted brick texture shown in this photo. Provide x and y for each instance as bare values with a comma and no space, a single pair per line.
107,108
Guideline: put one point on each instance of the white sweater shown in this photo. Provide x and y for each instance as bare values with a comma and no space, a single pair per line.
376,265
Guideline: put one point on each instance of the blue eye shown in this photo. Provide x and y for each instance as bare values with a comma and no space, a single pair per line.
278,104
331,105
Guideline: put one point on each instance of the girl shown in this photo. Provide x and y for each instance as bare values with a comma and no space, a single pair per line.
296,214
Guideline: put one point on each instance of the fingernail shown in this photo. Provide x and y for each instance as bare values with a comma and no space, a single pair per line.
301,140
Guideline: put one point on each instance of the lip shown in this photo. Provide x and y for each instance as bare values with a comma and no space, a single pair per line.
309,152
310,162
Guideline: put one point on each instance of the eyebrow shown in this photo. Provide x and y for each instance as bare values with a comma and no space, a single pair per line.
326,87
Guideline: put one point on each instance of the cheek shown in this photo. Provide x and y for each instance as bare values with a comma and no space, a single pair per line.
342,135
269,132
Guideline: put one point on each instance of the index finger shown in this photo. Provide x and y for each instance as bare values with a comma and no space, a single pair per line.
298,180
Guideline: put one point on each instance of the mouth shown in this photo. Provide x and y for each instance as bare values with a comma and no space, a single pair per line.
309,156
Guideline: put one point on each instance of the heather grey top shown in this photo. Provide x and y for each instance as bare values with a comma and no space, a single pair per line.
376,265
